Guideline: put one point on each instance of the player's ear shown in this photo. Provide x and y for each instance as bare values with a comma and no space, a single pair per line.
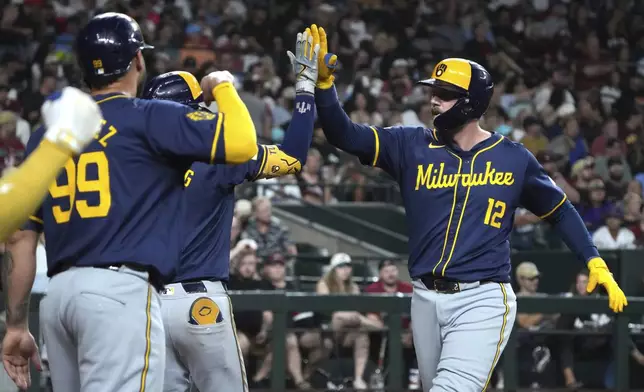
139,62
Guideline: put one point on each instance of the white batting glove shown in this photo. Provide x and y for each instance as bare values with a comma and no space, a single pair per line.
72,119
305,63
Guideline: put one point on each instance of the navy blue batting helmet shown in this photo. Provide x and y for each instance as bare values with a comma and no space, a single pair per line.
177,86
467,82
106,47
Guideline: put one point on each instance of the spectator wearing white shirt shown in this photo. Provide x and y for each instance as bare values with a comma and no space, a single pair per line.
612,235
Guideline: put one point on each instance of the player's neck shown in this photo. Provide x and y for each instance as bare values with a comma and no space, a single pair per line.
470,135
116,88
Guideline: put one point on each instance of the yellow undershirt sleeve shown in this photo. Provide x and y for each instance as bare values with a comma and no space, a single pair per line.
22,190
238,129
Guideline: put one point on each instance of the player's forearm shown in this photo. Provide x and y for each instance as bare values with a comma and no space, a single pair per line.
22,190
299,133
18,273
338,128
573,231
240,136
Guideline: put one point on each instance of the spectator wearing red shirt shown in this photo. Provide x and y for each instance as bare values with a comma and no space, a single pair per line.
388,283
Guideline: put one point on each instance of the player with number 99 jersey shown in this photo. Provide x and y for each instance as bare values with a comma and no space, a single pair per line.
119,201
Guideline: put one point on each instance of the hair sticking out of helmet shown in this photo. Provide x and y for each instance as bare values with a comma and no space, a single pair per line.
466,82
106,47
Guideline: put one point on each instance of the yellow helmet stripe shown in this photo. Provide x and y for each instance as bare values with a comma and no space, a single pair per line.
454,71
191,81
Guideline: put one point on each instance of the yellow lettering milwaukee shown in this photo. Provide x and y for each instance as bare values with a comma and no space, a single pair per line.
433,177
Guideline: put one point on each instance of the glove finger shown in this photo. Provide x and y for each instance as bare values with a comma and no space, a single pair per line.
323,42
306,44
291,58
298,45
330,60
316,52
316,34
309,47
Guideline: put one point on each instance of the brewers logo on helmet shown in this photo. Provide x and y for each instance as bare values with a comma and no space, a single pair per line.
204,311
465,81
177,86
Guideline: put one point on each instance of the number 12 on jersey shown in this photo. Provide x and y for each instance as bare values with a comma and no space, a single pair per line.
495,212
77,181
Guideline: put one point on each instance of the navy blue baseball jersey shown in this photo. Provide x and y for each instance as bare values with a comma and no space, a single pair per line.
119,201
209,196
460,204
209,203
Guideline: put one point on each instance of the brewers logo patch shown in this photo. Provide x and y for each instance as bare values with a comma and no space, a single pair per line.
204,311
441,69
200,116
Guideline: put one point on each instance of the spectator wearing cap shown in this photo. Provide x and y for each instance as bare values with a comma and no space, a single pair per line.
613,152
595,208
549,160
348,325
613,235
389,283
534,140
534,351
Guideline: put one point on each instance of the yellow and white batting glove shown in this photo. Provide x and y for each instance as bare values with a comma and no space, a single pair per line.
305,63
599,274
327,62
72,119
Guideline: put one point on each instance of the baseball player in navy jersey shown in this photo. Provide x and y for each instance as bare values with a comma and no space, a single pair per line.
460,186
110,218
197,314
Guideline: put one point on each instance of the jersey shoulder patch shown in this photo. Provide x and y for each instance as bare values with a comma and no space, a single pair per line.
200,116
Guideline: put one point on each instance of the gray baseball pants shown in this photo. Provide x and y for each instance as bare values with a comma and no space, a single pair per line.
201,340
103,331
459,337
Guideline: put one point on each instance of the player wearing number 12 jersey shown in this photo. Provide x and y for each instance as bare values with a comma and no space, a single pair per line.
115,208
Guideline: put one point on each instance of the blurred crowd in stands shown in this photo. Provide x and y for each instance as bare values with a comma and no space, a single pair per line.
569,82
569,85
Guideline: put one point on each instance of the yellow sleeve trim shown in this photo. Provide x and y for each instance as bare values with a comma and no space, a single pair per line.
376,148
554,209
35,219
215,141
263,164
111,98
497,355
148,345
